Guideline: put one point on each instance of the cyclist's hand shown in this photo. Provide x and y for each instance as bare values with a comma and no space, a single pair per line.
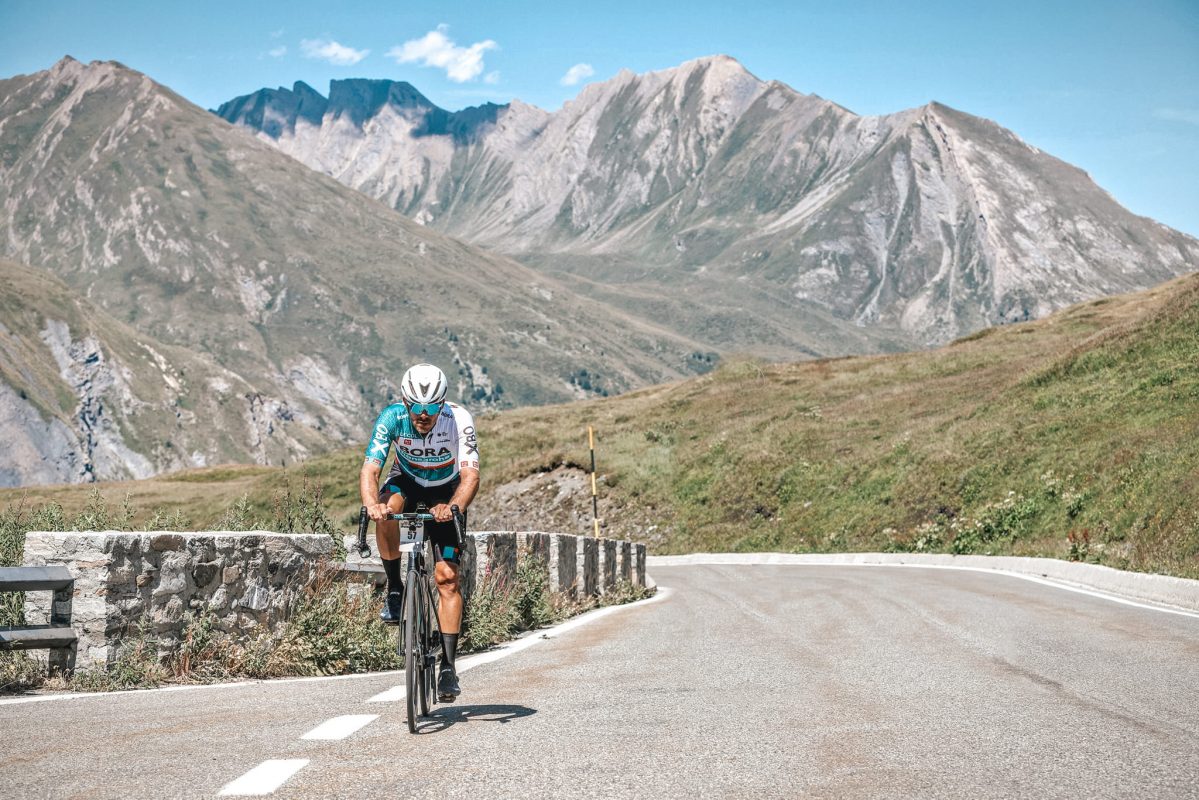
378,512
442,512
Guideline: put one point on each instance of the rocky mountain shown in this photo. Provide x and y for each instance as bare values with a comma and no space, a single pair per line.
86,397
740,211
240,266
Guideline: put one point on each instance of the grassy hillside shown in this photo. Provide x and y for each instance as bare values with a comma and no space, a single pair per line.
1074,436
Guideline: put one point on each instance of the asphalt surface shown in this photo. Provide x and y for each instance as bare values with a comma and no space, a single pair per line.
766,681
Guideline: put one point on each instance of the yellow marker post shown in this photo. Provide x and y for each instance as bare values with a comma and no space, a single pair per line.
594,501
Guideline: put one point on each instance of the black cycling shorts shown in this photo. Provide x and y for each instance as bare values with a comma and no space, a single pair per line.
441,534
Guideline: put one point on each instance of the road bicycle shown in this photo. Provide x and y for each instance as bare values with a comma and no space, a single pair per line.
418,641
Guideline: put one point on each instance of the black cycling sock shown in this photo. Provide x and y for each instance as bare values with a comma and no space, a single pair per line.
449,649
392,567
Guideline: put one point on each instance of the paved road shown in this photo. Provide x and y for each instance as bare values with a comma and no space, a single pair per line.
767,681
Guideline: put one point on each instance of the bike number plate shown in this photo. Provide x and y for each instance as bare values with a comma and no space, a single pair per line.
411,537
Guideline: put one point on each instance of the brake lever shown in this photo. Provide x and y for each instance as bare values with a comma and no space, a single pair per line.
363,548
459,525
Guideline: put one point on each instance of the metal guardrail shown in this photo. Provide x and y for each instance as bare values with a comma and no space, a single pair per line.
58,637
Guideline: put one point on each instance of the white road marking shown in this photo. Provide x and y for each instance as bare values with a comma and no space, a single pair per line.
264,779
392,695
340,727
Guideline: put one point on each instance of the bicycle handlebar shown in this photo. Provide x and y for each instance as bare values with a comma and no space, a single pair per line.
363,548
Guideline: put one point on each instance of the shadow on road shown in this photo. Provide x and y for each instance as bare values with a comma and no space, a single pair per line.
445,716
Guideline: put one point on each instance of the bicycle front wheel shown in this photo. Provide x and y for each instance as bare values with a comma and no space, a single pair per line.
414,657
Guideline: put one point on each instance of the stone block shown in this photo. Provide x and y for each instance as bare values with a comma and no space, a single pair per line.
495,555
170,583
205,573
587,566
607,564
256,598
624,561
563,564
535,544
638,564
166,541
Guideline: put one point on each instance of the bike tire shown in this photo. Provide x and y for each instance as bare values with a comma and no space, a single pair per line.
414,657
425,694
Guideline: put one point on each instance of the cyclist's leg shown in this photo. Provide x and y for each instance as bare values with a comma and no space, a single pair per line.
447,557
387,533
387,536
449,609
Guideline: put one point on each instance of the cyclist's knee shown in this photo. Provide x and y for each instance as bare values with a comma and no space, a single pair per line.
446,576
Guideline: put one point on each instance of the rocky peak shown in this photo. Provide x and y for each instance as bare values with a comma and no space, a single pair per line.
362,98
274,111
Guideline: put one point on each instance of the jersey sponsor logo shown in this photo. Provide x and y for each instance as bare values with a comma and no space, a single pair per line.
472,440
427,452
379,443
408,442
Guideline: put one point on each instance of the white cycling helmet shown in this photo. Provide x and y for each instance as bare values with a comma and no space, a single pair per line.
423,383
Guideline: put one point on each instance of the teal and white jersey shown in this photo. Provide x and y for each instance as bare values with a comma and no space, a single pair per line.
429,460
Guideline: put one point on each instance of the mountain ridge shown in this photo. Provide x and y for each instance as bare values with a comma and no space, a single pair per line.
928,222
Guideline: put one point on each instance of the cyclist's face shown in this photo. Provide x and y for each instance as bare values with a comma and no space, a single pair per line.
424,423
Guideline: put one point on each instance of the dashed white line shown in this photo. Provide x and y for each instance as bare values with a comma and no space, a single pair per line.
392,695
340,727
264,779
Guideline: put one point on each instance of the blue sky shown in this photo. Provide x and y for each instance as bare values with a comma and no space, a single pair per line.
1112,87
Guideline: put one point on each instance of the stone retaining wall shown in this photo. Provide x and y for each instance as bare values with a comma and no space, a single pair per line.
124,581
579,566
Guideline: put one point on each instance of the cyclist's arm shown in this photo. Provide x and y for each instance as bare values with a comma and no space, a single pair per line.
376,455
468,486
468,459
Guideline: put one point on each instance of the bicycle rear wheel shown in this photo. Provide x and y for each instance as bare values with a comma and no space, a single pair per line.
414,657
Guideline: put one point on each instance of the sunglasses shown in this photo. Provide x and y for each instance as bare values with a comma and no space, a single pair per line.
432,409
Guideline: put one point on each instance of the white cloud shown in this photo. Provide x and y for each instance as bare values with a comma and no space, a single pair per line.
575,74
277,52
276,34
492,78
333,52
1189,115
435,49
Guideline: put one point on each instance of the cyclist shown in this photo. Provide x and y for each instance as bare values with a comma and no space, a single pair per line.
437,463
